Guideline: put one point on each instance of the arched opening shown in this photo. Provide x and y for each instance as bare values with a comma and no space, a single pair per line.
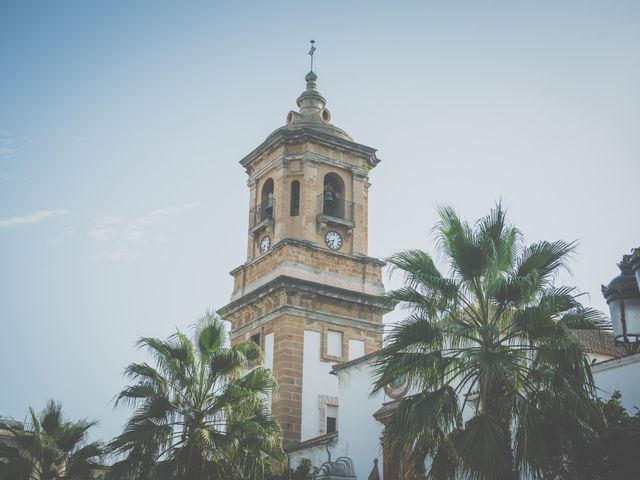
294,210
333,196
267,200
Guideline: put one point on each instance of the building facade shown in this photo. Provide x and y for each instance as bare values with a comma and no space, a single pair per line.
308,293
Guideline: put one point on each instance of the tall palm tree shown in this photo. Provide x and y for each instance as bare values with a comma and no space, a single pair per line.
200,413
49,449
502,385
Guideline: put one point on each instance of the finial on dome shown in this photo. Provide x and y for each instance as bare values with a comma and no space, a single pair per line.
311,77
311,51
311,102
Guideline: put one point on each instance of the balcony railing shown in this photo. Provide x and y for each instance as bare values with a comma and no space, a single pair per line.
331,206
262,212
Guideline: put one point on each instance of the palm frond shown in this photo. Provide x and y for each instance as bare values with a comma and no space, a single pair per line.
196,407
496,332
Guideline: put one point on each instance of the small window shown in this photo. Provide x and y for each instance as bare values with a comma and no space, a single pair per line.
256,339
295,198
332,418
331,424
334,344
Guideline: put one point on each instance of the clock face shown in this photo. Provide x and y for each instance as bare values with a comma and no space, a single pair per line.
265,244
333,240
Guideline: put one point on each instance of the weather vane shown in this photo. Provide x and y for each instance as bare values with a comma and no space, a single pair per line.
313,49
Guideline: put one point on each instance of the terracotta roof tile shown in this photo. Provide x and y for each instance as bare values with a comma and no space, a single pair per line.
320,440
599,342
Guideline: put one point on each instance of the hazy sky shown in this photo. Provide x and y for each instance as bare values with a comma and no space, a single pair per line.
123,206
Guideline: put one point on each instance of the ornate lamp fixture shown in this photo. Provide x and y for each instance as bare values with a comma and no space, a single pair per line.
635,263
623,297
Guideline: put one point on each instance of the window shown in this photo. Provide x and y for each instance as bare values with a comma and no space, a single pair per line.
295,198
334,344
333,196
328,414
256,339
267,200
331,424
332,418
398,387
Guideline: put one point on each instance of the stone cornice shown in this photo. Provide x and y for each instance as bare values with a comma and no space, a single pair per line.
312,442
311,157
302,134
332,319
312,246
284,282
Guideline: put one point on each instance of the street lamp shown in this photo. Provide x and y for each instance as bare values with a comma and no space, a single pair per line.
635,263
623,297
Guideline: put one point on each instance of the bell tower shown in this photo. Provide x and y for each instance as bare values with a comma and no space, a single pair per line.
308,293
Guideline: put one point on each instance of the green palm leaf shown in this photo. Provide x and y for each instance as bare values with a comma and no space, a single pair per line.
491,341
200,412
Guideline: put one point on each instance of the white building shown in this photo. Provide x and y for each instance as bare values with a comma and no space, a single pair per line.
309,295
360,427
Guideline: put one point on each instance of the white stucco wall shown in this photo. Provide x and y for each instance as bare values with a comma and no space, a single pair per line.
358,432
268,361
622,374
316,381
316,454
268,351
356,349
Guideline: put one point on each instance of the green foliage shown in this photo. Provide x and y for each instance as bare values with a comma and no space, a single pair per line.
304,471
614,456
51,448
492,336
200,413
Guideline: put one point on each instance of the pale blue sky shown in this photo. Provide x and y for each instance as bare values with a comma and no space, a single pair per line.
123,207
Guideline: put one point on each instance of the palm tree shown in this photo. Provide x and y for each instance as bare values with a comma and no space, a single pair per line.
502,385
200,413
50,449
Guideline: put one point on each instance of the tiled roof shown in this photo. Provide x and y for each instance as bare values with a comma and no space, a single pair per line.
599,342
343,365
312,442
386,409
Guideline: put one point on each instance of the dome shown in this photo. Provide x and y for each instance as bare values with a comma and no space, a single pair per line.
312,113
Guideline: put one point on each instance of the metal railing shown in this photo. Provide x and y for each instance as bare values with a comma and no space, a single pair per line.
330,205
262,212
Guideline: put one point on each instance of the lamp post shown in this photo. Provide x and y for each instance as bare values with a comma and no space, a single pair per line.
623,297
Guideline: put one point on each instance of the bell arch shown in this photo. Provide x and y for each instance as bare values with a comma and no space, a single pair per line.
333,195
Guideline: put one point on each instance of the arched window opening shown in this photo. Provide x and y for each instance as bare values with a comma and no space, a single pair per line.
267,200
333,196
295,199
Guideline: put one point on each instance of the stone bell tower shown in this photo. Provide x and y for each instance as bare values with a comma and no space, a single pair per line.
307,292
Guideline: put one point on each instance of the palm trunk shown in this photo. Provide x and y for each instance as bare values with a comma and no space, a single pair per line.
495,392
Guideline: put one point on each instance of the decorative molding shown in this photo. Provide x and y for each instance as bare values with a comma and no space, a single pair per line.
324,344
323,222
302,134
338,321
323,402
398,392
311,246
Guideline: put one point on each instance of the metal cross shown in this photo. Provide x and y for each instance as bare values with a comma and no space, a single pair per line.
313,49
